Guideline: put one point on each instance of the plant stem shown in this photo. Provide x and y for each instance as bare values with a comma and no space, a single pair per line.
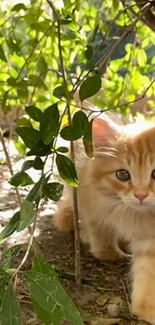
30,243
75,200
9,162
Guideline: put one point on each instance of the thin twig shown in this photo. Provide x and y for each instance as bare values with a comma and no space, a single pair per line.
104,59
26,253
75,201
32,51
9,162
128,303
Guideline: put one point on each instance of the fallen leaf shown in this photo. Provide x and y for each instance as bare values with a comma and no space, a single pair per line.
104,321
89,319
102,300
115,300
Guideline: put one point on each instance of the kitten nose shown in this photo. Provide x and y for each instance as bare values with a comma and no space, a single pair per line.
141,196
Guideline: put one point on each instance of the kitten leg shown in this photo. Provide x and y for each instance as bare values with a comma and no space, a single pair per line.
143,294
63,218
104,245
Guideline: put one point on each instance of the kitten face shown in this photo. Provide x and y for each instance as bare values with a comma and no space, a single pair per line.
129,174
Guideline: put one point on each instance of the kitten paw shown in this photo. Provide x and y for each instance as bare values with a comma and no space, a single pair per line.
145,309
108,254
63,219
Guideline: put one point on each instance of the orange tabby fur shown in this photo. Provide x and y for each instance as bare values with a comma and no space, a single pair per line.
108,208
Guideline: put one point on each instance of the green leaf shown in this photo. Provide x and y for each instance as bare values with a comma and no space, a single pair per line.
27,165
47,318
22,93
89,52
10,308
62,149
4,279
90,87
20,146
38,164
8,255
67,170
11,81
49,123
11,226
29,135
21,179
40,149
3,285
53,191
4,274
42,65
27,214
48,293
88,141
60,92
23,121
69,133
2,54
18,7
34,112
77,129
80,122
36,191
142,58
42,266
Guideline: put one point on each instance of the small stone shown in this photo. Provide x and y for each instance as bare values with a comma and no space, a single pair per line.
113,310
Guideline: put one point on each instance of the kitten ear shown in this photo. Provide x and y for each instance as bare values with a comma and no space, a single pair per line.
104,130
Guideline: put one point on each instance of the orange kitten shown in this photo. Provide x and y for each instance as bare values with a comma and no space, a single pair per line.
116,200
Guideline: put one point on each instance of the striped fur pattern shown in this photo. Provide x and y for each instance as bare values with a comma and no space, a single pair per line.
108,208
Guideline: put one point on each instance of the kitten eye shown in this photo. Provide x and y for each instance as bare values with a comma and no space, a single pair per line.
153,174
124,175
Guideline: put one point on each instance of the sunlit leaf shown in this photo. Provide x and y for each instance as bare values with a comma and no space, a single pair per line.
21,179
142,58
62,149
20,146
67,170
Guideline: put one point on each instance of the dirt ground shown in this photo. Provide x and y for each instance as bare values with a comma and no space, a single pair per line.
104,297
